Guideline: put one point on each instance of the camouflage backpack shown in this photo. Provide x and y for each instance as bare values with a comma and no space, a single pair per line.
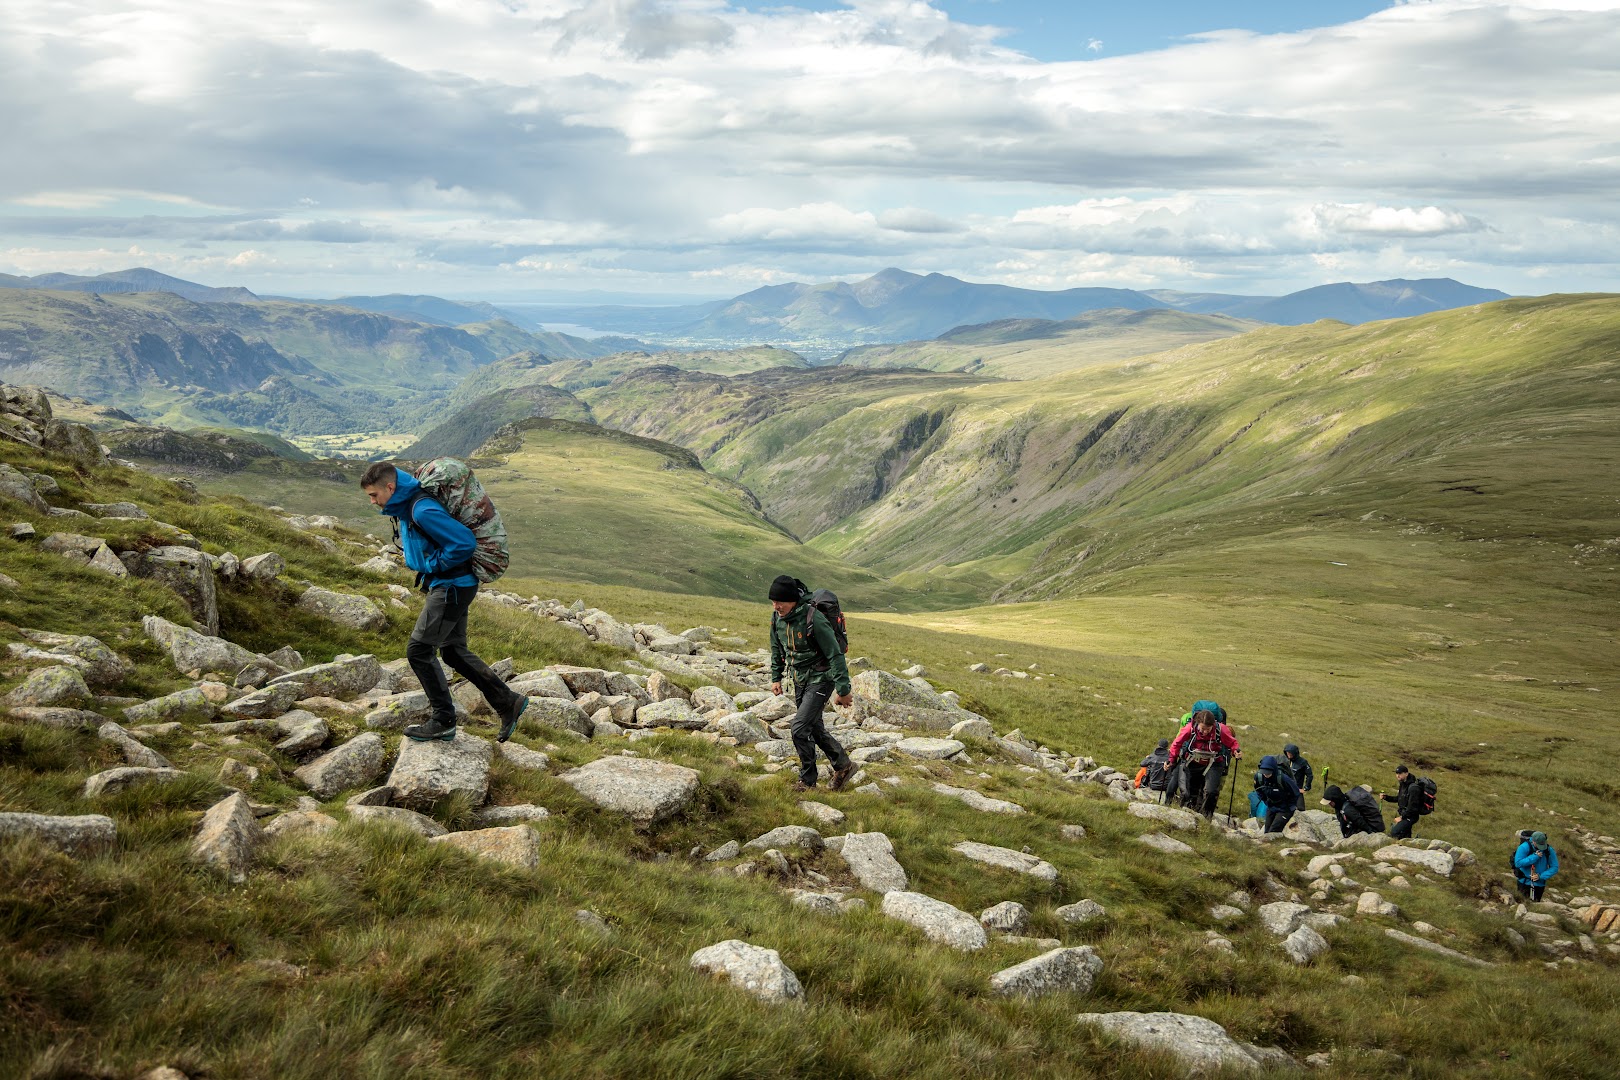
452,484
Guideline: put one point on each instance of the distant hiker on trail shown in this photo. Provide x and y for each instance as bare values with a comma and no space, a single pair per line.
1408,800
1275,786
1202,750
1155,771
803,642
1300,770
1534,862
440,549
1357,811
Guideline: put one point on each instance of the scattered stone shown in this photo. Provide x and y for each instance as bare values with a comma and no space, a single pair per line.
826,815
134,752
972,728
425,772
928,749
227,838
264,704
756,970
1437,862
1198,1044
711,699
979,801
1430,946
784,836
358,761
937,920
670,713
1304,945
744,728
1083,912
299,821
1009,917
346,609
52,687
191,651
544,712
342,679
1370,903
1059,971
510,815
115,780
190,575
1172,816
420,824
78,835
1283,917
1007,859
820,903
1226,913
99,664
648,791
301,733
870,857
1073,832
64,719
728,850
188,706
515,845
522,756
1167,844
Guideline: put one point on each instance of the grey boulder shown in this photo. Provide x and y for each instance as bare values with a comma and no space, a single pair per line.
356,762
758,971
345,609
426,772
937,920
78,835
1073,971
1199,1045
647,791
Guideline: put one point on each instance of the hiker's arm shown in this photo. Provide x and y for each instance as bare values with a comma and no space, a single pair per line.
453,542
778,658
827,642
1552,865
1175,746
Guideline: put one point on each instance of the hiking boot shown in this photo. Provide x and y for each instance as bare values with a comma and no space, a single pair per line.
800,785
510,723
841,776
431,730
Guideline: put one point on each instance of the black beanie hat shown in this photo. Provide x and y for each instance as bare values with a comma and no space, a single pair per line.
784,588
1333,793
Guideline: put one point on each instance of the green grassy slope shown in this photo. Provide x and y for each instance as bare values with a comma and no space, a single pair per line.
470,426
417,961
1033,348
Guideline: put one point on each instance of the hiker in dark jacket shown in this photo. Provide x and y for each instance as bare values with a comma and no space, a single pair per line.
1356,810
1408,800
803,642
439,548
1202,751
1533,863
1301,771
1275,786
1157,766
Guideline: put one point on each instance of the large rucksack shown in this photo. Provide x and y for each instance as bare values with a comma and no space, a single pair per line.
825,602
1427,790
452,484
1513,858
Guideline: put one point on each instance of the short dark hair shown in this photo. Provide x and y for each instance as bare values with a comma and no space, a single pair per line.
379,473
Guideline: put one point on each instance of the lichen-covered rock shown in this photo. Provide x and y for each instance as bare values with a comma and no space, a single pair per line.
99,664
135,752
227,838
192,651
301,732
937,920
346,609
188,706
15,485
787,836
1071,971
1080,913
870,857
420,824
543,712
76,441
299,821
190,575
1008,917
671,713
1172,816
1437,862
264,704
53,687
115,780
514,845
648,791
356,762
1007,859
426,772
78,835
341,679
263,568
63,719
1200,1045
757,970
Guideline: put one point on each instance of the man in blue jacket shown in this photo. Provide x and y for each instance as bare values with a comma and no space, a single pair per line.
1534,862
439,548
1274,783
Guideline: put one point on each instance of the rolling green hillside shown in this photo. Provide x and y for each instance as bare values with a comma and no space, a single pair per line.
472,424
1032,348
584,503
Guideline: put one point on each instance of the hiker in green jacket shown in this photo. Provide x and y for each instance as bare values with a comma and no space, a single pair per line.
802,641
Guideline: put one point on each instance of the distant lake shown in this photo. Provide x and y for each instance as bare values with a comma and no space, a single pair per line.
576,330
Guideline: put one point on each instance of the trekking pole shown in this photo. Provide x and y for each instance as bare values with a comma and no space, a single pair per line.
1233,793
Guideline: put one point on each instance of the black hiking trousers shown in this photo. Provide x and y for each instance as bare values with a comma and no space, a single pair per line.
1276,820
1201,785
441,630
810,730
1402,828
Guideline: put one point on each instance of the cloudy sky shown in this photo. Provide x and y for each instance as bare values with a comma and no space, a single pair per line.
512,148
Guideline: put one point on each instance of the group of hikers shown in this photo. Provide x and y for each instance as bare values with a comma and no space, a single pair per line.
1192,768
451,536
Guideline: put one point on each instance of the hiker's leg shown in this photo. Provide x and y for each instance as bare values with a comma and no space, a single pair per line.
422,652
1401,829
464,660
1214,779
830,746
812,699
1536,890
1276,820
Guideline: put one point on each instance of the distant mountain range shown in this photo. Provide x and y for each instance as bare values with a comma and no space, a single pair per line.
137,280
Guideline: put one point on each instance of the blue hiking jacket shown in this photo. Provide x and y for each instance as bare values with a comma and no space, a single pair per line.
1280,792
1544,863
433,542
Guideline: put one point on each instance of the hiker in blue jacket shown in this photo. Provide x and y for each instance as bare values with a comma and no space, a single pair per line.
1274,783
439,548
1534,863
